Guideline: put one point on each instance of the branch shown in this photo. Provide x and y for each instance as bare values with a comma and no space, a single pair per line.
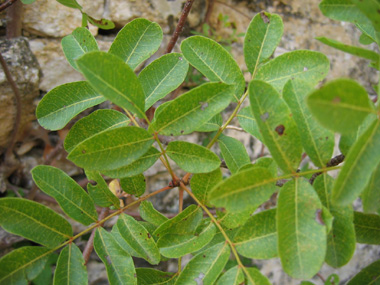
180,25
333,162
6,4
16,92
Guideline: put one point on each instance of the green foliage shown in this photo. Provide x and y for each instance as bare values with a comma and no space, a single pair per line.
313,221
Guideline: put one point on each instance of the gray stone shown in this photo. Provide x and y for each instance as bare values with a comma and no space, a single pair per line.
24,69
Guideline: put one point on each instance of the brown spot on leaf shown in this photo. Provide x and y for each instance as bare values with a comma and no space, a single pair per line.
148,234
109,261
264,17
83,151
280,129
204,105
336,100
92,182
318,217
180,58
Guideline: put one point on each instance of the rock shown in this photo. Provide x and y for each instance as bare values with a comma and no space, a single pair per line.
58,20
24,69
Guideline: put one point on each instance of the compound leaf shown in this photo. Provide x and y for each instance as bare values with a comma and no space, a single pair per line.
162,76
137,41
301,235
136,167
77,44
262,37
111,149
340,105
257,238
114,79
244,190
317,141
93,124
309,66
70,267
234,153
119,264
206,266
192,109
138,238
73,200
192,157
360,163
23,264
276,124
214,62
64,102
34,221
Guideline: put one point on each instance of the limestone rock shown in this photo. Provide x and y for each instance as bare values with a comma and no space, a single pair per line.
52,19
24,69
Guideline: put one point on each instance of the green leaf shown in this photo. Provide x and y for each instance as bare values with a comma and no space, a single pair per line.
185,222
214,62
70,3
233,152
301,236
371,194
257,239
150,276
138,238
111,149
261,39
163,76
93,124
369,31
233,220
73,200
212,125
340,105
138,166
233,276
137,41
28,1
202,183
358,167
317,141
192,157
150,214
134,185
242,191
175,246
306,65
370,8
77,44
22,265
358,51
119,264
46,275
64,102
341,239
257,277
248,122
368,275
114,79
103,24
342,10
364,39
99,192
367,228
333,279
192,109
70,267
205,267
276,124
34,221
267,163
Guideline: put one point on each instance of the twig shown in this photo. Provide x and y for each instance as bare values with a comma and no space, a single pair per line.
179,28
6,4
333,162
14,21
90,243
235,128
16,92
210,6
321,277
